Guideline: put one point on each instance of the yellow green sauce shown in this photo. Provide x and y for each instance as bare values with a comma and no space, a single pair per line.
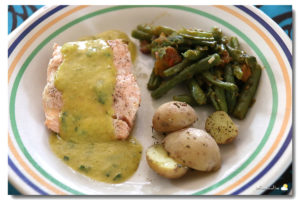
86,143
115,34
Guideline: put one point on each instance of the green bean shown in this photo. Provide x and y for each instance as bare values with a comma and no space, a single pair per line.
217,33
140,35
246,97
224,39
175,39
212,97
154,81
220,48
237,55
196,91
230,95
221,98
195,32
237,71
198,38
192,42
172,40
163,29
185,98
155,30
228,75
251,62
212,79
234,43
145,28
176,68
186,73
217,98
195,54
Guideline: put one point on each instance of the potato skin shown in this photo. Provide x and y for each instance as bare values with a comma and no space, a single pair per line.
194,148
158,160
173,116
221,127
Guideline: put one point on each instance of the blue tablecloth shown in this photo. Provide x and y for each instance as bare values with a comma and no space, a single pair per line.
281,14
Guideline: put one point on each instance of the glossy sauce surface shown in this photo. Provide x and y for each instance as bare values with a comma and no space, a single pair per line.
86,140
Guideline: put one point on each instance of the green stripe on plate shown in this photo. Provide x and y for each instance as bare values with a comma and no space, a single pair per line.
115,8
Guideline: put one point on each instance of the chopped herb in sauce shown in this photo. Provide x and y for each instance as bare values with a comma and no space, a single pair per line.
84,168
117,177
101,97
63,117
107,54
66,158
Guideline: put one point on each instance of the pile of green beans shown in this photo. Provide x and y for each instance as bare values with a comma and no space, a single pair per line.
212,68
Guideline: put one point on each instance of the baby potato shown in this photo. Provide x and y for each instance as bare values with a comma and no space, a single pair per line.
221,127
173,116
194,148
158,160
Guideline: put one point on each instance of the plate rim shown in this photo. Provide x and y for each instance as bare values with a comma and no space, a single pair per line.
24,25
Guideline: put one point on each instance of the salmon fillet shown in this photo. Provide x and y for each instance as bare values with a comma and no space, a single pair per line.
126,95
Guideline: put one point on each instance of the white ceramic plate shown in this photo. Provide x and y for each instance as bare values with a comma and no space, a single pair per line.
260,154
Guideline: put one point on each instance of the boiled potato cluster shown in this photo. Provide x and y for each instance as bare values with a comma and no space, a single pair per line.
221,127
183,147
173,116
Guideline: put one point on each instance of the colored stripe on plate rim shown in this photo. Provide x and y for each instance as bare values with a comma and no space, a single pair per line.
36,35
29,171
26,180
31,27
268,167
288,106
271,31
289,137
176,7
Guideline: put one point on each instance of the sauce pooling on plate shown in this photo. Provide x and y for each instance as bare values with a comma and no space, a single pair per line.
86,79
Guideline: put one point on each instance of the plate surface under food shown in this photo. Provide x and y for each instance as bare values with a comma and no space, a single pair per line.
260,154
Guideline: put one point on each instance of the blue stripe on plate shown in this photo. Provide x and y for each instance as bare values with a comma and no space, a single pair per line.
271,30
31,27
26,180
289,137
269,166
10,50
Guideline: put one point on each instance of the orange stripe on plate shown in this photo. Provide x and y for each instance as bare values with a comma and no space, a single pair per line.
10,71
288,100
36,35
30,171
